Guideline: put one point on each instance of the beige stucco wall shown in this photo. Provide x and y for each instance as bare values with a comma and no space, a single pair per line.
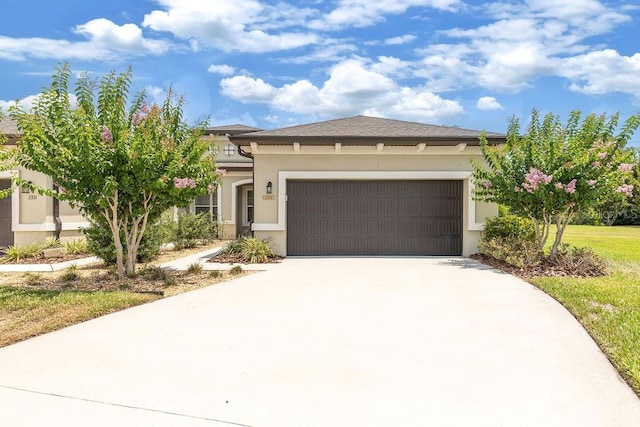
228,200
268,165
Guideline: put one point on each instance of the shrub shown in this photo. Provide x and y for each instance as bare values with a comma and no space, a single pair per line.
235,270
51,242
17,253
154,273
100,242
194,267
579,261
233,247
255,250
75,247
512,239
215,274
509,227
519,253
192,228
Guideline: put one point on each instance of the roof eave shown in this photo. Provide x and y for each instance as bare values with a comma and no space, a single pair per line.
247,139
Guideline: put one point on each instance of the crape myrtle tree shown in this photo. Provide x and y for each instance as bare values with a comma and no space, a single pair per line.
553,170
120,161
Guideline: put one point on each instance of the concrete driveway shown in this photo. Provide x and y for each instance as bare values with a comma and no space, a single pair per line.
325,342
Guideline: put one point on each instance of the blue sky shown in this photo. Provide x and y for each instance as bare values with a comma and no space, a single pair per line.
271,64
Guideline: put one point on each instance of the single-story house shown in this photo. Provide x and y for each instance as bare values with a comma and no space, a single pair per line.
353,186
366,186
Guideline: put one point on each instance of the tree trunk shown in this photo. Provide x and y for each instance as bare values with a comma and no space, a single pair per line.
113,220
562,220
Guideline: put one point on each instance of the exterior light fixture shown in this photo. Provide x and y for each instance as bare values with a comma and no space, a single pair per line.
269,187
229,150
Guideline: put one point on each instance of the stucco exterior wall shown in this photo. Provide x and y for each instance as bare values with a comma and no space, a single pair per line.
361,163
228,201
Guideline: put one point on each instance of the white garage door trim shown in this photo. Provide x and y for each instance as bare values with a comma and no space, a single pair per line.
283,176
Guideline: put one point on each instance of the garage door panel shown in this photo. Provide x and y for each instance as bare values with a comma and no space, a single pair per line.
374,217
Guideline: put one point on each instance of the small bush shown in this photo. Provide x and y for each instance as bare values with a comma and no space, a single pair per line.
33,279
519,253
215,274
51,242
579,261
509,227
170,281
235,270
192,228
233,247
194,267
512,239
17,253
154,273
100,242
255,250
70,274
75,247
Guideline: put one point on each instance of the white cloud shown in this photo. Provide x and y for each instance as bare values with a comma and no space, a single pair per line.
105,41
487,103
352,88
407,38
361,13
27,103
526,41
225,70
240,25
604,71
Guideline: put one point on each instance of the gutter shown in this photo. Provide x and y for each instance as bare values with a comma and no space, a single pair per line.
56,214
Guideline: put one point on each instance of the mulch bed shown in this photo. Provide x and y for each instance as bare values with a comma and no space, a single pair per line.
225,258
545,269
42,260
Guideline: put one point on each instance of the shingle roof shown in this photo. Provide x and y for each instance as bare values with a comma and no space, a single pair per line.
9,126
236,129
365,129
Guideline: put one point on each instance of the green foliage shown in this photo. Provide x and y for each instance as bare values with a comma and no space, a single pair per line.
235,270
512,239
519,253
124,166
251,249
194,267
6,158
154,273
255,250
552,171
99,241
509,227
192,228
75,247
51,242
233,247
18,253
215,274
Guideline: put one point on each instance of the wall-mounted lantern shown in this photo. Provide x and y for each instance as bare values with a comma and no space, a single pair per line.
269,187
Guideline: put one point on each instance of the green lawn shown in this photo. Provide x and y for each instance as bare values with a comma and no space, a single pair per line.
26,313
609,306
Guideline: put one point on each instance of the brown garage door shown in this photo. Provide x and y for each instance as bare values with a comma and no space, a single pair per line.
374,217
6,235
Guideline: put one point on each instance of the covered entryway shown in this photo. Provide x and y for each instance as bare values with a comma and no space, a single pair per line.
374,217
6,235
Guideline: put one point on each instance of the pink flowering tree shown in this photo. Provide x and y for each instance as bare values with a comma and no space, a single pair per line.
119,162
552,171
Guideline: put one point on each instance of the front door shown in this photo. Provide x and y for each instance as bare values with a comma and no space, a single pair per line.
244,210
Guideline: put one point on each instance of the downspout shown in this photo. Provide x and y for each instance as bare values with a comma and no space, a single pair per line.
253,179
56,214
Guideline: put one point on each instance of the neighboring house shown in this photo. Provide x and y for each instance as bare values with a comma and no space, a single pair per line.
366,186
26,217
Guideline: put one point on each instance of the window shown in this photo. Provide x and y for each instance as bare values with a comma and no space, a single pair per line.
207,204
248,213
